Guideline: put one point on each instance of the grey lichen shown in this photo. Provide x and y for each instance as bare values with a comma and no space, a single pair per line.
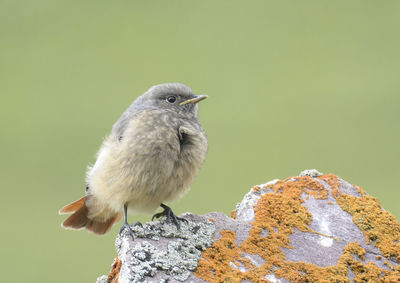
102,279
310,172
161,247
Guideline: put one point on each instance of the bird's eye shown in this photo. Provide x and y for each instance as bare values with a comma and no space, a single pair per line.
171,99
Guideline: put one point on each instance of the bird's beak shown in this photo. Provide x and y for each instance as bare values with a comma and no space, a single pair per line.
198,98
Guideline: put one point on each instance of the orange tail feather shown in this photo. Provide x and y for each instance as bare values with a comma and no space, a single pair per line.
100,228
73,206
79,219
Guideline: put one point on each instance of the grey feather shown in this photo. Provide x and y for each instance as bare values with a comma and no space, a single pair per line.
144,102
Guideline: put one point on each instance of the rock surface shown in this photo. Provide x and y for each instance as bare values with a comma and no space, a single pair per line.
308,228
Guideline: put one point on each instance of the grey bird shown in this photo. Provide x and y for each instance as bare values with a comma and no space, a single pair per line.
150,158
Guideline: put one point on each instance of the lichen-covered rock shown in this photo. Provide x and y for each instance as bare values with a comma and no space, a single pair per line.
309,228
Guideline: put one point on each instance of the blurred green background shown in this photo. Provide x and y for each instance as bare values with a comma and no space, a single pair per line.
292,84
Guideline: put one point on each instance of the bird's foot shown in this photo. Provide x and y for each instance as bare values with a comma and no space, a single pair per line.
129,228
137,223
169,214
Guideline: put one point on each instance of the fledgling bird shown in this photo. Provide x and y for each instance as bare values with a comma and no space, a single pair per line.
153,153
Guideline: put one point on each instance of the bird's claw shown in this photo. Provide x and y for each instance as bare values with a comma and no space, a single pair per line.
129,228
169,214
137,223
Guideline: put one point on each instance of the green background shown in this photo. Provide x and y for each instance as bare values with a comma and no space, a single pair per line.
292,85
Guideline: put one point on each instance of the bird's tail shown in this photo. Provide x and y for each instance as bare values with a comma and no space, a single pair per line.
79,218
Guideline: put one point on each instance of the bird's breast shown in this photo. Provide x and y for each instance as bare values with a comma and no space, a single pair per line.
152,163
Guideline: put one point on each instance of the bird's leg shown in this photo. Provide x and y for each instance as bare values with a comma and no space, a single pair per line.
171,217
126,224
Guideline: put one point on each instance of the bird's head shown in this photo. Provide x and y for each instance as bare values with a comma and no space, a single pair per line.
173,97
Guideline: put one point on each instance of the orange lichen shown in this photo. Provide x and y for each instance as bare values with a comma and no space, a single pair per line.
279,213
378,226
113,277
222,260
333,181
233,214
256,189
306,272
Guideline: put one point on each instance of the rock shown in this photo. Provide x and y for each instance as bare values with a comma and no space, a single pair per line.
309,228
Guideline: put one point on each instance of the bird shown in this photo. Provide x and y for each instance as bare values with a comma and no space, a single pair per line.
150,158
